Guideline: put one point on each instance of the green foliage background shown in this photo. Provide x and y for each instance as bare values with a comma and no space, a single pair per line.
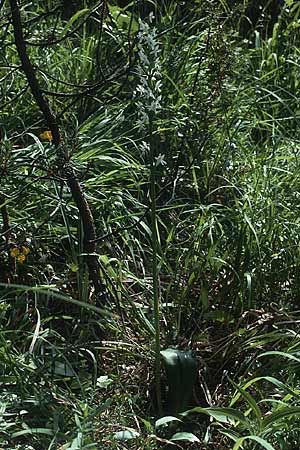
173,99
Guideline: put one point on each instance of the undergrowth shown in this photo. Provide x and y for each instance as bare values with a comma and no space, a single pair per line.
182,131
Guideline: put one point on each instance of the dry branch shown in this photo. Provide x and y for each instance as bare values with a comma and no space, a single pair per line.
85,213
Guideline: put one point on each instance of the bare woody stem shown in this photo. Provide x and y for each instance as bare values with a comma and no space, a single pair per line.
5,217
6,270
89,243
30,73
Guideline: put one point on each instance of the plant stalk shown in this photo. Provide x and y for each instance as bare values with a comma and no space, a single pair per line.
155,284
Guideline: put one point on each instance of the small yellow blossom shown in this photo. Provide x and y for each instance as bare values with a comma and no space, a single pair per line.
25,250
14,252
21,258
46,135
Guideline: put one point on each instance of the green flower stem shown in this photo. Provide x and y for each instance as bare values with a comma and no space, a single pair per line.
156,300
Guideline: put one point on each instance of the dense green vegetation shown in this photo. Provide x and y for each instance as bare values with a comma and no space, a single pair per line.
150,221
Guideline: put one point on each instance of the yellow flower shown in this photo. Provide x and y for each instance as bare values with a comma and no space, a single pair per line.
21,258
25,250
14,252
46,135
